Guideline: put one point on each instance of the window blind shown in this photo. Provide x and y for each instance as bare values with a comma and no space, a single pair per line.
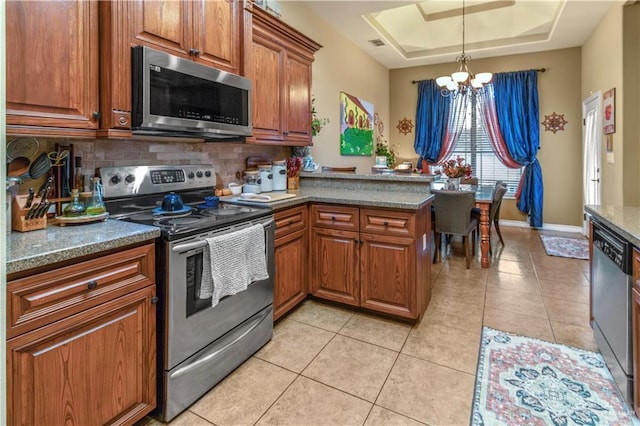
475,147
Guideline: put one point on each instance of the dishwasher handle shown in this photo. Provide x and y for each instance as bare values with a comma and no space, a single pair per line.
614,247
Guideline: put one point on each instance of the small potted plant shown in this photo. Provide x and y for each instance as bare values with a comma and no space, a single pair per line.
454,170
316,123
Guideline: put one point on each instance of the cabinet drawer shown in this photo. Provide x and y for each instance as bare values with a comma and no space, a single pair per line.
290,220
636,268
387,222
40,299
335,217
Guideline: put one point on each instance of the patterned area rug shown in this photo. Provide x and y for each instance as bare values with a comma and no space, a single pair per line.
524,381
565,247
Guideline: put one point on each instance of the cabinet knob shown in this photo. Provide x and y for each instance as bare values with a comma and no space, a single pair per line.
333,218
154,300
290,221
92,284
196,52
96,115
385,223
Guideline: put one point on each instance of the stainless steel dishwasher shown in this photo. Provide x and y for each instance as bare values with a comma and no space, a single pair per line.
611,284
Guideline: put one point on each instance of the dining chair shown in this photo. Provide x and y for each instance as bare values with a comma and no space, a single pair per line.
468,181
453,217
494,211
351,169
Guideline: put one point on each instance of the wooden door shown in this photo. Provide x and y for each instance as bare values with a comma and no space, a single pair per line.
290,286
298,99
267,102
92,368
388,275
164,25
216,32
52,64
335,265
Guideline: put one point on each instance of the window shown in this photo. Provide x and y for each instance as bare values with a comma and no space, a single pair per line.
475,147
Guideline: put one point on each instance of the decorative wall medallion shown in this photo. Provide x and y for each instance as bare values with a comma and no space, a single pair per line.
404,126
554,122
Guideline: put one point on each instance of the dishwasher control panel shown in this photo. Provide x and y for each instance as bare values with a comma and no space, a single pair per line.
612,246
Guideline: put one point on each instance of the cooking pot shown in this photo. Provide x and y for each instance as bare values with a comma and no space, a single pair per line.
172,202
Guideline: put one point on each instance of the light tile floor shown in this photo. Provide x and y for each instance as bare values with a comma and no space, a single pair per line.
328,365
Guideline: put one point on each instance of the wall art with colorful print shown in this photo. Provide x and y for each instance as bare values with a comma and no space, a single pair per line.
356,126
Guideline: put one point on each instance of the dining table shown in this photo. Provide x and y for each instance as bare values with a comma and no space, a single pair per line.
483,201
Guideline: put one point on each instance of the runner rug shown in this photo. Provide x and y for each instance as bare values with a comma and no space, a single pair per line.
525,381
565,247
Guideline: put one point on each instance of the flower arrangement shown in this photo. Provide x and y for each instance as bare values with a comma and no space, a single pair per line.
316,123
383,148
456,168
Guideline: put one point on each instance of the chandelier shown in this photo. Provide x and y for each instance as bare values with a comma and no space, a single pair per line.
463,80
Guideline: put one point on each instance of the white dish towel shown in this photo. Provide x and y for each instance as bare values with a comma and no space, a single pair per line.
233,261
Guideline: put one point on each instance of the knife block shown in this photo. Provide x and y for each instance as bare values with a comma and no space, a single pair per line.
18,213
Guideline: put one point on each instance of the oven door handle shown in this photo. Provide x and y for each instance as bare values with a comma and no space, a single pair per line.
189,246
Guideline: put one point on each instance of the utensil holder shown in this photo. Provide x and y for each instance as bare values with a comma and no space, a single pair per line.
293,182
18,213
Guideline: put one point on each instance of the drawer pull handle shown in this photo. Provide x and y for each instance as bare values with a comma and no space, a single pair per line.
385,223
290,221
92,284
333,218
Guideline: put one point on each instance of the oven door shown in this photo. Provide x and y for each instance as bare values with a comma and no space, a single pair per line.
192,323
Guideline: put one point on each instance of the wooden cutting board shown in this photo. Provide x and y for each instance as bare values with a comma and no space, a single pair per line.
273,197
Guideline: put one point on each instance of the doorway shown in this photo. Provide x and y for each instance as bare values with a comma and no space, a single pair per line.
592,150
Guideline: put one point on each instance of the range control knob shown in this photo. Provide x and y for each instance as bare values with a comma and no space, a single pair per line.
115,179
191,175
129,178
207,173
199,173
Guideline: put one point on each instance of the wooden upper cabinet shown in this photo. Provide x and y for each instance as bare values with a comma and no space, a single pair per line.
216,33
205,31
52,67
278,59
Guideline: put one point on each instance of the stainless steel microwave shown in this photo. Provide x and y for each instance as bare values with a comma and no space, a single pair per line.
177,97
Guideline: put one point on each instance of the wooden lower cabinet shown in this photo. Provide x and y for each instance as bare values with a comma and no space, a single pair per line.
95,365
387,277
636,347
335,272
385,269
290,283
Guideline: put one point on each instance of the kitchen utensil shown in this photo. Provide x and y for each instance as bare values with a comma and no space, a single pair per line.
172,202
32,211
40,166
19,166
46,186
23,146
57,157
29,201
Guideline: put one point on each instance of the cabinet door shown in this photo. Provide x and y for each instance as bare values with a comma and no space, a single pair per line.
216,31
298,101
52,65
388,275
267,99
334,265
290,287
164,25
93,368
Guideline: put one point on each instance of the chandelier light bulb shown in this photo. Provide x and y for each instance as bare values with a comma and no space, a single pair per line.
484,77
443,81
452,85
460,76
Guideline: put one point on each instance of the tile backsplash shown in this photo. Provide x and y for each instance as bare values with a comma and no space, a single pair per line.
227,158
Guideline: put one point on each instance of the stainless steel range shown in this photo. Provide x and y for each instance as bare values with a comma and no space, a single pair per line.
198,344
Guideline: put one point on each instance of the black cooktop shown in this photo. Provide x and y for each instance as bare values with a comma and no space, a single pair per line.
195,218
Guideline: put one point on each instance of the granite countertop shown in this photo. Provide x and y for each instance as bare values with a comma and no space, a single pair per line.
623,220
26,250
380,177
362,198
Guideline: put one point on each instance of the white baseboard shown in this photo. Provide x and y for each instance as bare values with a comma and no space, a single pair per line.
548,226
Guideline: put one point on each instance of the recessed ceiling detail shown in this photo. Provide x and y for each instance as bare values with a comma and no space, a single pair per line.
435,27
430,32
